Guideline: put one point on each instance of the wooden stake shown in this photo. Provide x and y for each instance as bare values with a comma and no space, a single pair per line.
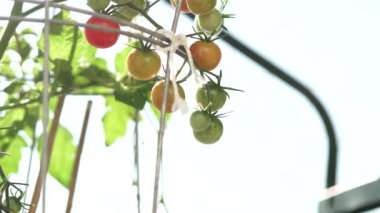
77,158
42,174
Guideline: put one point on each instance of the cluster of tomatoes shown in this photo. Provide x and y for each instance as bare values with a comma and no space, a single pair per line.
144,63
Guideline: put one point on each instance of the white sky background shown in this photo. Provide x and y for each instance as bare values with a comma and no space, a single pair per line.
272,155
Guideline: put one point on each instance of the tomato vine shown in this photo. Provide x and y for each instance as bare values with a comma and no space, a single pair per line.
136,80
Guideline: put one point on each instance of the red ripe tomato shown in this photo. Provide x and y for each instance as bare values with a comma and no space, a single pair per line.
184,7
101,38
206,54
157,95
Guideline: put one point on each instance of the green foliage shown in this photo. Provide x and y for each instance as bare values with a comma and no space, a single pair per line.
63,156
121,59
14,146
68,43
75,69
115,120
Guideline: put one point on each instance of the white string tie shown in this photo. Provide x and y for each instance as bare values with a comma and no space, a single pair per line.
176,42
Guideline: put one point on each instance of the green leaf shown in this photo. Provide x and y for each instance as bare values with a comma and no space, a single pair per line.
28,31
63,156
63,76
97,73
121,60
30,120
21,46
11,119
14,87
115,119
134,99
10,163
6,69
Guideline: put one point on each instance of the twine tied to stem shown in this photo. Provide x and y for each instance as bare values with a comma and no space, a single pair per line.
176,42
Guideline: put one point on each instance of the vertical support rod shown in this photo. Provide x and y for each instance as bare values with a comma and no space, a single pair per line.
45,103
163,115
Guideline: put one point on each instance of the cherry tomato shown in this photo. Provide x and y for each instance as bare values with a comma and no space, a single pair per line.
143,64
98,5
206,54
199,7
184,7
211,21
157,95
200,121
15,205
212,97
101,38
212,134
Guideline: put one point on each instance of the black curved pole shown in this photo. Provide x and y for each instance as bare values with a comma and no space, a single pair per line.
276,71
298,86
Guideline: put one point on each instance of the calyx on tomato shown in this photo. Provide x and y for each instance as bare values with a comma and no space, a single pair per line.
211,97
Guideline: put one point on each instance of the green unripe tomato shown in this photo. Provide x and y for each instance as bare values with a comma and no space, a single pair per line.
130,13
200,121
15,204
199,7
212,97
121,1
98,5
212,134
211,21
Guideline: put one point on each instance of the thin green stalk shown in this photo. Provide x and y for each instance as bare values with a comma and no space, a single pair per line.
145,14
11,28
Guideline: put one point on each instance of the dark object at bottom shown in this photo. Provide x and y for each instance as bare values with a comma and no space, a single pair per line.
360,199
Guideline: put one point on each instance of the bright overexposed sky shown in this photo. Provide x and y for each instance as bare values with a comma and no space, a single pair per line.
272,156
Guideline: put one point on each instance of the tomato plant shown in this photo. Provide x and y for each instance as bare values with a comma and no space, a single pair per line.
158,93
212,134
201,6
184,7
206,54
101,38
77,68
199,121
143,64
